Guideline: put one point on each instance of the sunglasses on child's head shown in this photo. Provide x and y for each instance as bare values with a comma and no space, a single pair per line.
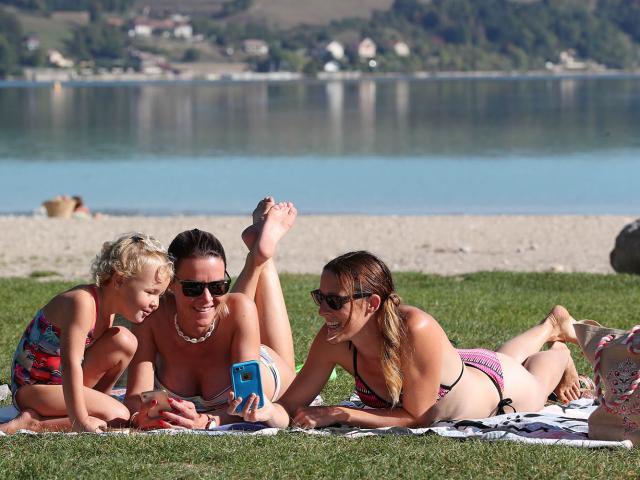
192,288
336,302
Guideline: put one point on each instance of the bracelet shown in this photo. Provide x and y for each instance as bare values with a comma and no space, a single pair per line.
132,418
211,422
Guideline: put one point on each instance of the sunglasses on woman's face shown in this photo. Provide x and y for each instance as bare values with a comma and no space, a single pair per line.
192,288
336,302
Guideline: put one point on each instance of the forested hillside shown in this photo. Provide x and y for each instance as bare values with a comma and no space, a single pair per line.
437,34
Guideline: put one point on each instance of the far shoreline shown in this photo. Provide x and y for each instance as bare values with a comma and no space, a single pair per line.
58,78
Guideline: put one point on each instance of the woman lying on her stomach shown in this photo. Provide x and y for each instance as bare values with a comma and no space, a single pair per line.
189,344
404,366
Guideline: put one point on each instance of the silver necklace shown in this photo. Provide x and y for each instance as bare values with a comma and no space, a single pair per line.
186,338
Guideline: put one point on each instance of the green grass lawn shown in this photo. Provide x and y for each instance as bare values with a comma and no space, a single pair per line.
53,31
481,309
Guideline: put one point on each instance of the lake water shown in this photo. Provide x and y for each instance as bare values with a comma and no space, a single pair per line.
534,146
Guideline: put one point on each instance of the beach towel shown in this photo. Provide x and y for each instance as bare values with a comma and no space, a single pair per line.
554,425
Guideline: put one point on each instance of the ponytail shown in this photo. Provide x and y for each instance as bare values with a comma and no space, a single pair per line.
393,331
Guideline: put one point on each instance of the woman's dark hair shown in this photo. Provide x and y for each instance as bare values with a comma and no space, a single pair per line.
195,244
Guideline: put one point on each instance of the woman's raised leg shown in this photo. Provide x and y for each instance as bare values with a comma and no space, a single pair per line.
556,327
259,278
531,375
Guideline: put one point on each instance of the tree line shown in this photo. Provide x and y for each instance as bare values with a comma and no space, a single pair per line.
442,35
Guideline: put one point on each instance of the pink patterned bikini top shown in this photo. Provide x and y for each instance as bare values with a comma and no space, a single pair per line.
371,399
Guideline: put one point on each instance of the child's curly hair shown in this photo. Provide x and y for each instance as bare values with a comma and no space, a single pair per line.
128,255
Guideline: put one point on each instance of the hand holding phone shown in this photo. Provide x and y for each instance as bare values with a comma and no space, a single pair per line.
162,399
245,379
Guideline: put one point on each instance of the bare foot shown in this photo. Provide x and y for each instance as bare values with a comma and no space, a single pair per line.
27,420
250,234
568,389
278,220
561,322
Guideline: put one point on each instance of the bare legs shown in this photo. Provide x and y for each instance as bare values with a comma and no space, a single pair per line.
556,327
43,406
568,387
545,370
259,278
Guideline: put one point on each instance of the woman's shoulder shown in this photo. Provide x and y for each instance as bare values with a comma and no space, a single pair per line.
419,323
416,319
239,302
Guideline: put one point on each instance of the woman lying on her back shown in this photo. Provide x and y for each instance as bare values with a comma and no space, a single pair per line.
405,368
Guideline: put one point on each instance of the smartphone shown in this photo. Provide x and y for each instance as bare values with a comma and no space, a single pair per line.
245,379
161,397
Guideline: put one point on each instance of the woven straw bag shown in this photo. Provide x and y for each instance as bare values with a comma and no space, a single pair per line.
615,355
61,207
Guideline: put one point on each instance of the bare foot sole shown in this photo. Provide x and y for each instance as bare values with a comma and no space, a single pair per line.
568,388
278,221
250,234
27,420
562,322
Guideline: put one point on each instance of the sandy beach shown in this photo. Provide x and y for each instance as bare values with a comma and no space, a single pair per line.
445,245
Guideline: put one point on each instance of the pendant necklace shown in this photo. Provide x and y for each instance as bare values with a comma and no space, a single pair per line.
186,338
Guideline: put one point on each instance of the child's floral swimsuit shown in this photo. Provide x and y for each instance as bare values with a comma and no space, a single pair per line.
37,358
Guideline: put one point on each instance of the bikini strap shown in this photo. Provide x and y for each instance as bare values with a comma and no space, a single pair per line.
93,289
505,402
355,361
449,387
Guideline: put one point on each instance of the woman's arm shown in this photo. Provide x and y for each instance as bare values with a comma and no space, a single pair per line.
140,375
74,313
245,341
421,371
305,387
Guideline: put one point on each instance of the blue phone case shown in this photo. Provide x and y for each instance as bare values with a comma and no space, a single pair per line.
245,379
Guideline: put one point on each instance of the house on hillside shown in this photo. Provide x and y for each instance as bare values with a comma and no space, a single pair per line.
331,67
31,43
366,49
149,63
141,27
569,62
401,49
146,27
255,47
335,49
112,20
183,30
56,59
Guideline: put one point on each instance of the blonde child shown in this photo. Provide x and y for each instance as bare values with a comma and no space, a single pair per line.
70,356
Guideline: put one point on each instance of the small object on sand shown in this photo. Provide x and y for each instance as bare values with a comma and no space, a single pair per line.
61,206
557,268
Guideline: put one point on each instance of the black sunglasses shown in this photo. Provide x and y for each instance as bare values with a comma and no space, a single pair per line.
191,288
336,302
